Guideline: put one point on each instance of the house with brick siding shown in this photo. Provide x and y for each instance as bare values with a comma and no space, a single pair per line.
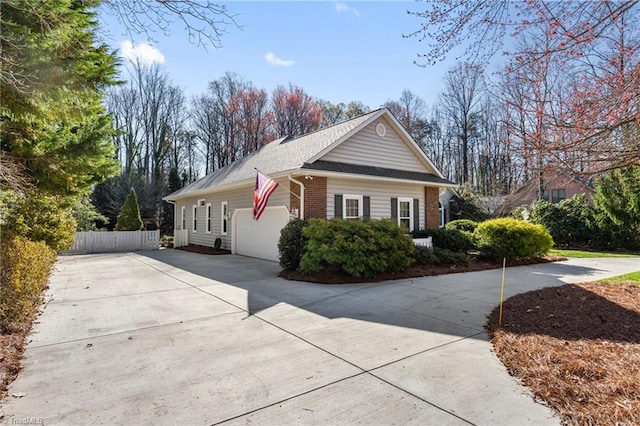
365,167
557,185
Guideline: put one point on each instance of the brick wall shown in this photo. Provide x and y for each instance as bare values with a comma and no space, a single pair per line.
431,207
315,196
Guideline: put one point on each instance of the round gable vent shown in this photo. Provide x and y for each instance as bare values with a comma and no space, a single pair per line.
381,130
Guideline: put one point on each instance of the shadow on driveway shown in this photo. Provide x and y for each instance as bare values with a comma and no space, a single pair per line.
454,304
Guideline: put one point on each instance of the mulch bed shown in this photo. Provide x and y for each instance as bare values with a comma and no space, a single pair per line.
204,250
475,264
577,347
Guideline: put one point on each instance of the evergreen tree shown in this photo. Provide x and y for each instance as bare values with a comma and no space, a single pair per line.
53,73
618,195
129,218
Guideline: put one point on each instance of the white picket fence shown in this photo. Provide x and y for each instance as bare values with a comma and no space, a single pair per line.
180,238
114,241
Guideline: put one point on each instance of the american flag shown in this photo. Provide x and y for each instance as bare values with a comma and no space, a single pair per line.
264,188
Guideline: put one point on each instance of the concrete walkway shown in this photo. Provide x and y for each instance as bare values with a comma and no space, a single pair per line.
170,337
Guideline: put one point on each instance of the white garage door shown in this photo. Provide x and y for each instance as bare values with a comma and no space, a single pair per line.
258,238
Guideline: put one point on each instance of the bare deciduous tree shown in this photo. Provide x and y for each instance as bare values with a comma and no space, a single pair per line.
205,21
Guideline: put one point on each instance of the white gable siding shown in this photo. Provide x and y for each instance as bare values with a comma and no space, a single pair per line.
237,199
380,192
368,149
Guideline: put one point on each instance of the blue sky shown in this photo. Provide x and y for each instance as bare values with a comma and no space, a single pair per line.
337,51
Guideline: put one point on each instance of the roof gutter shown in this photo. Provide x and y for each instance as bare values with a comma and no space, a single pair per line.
301,185
376,178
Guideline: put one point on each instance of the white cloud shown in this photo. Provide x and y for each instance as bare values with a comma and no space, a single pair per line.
144,53
277,62
343,7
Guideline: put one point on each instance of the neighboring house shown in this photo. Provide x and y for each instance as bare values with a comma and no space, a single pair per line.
366,167
558,185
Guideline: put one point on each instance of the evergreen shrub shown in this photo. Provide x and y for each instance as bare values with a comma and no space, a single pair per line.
129,217
438,256
512,239
354,247
291,244
464,225
449,239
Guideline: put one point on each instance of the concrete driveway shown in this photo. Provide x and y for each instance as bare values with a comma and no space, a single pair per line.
170,337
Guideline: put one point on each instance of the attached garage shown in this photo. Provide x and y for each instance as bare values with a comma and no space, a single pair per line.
258,238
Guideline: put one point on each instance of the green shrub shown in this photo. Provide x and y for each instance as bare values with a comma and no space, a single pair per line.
129,217
570,222
464,225
438,256
37,217
424,256
357,248
511,238
449,239
291,244
448,257
24,274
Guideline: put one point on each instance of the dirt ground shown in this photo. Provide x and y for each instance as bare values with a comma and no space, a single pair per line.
577,348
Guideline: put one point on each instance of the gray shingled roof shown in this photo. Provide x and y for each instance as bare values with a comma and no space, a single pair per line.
278,156
332,166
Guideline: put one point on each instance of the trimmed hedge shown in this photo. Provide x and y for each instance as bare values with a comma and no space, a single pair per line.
512,239
357,248
24,274
291,244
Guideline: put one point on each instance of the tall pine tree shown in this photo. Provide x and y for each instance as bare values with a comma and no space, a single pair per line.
53,72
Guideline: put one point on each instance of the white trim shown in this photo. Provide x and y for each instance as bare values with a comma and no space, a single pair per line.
411,218
183,218
208,215
194,219
346,197
224,231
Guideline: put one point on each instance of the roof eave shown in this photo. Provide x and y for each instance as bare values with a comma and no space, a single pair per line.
226,187
324,173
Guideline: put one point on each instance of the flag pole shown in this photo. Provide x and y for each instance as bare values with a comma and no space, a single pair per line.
290,191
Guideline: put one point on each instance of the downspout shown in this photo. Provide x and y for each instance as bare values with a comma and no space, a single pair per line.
301,197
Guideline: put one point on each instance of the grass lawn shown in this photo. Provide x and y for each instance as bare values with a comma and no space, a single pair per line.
589,254
630,277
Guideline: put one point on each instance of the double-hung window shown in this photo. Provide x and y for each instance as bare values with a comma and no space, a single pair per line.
195,218
405,213
224,217
557,195
208,218
183,218
352,206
